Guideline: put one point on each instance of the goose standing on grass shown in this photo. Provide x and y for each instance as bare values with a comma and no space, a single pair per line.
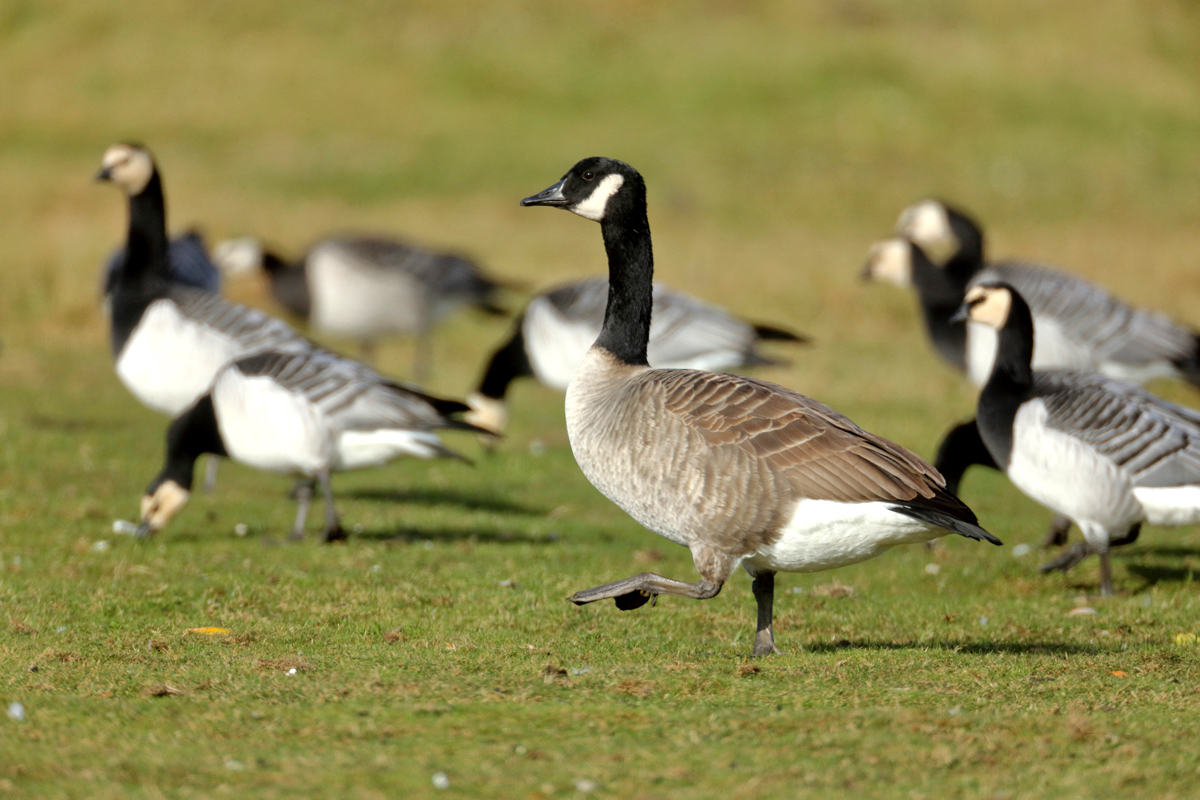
306,414
1106,454
369,287
553,333
740,471
169,340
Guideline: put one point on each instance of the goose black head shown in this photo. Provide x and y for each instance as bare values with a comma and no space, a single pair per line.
890,261
128,166
598,189
162,501
988,303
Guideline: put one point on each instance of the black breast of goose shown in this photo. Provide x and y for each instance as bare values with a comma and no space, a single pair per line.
1106,454
169,340
552,335
306,414
740,471
1079,324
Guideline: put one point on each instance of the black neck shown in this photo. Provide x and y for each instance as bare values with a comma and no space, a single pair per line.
1009,385
193,433
289,284
940,293
508,363
145,274
148,249
626,329
968,259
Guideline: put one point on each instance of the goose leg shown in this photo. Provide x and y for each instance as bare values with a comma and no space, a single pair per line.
210,474
1106,589
636,591
303,493
764,593
1068,559
1060,526
333,527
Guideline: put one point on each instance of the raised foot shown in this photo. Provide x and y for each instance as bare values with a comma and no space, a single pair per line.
641,589
625,599
1070,558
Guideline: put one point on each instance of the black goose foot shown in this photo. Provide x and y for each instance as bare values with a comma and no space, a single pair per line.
1070,558
628,602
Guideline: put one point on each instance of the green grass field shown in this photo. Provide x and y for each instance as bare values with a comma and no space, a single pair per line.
778,140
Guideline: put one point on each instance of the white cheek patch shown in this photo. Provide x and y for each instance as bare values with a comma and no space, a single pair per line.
594,205
927,224
890,261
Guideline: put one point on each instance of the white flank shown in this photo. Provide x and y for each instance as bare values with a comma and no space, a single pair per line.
1172,505
170,360
554,344
1069,477
594,205
360,300
362,449
267,427
824,534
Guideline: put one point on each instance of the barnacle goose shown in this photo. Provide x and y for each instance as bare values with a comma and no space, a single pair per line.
1079,325
551,336
1108,455
368,287
169,340
740,471
302,413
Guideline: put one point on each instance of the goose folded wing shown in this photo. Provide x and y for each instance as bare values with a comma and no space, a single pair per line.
1157,442
685,329
252,330
820,453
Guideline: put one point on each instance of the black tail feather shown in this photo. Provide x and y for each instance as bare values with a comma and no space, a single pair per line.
775,334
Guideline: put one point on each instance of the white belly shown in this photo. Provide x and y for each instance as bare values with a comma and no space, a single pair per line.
267,427
1173,505
363,301
824,534
1068,477
362,449
555,346
169,360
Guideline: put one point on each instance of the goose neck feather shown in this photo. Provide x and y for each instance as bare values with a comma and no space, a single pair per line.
626,229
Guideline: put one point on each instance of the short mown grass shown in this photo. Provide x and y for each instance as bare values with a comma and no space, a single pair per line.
778,140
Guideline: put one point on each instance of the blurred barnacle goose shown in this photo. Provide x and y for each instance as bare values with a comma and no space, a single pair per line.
1108,455
1079,324
169,340
301,413
188,264
740,471
553,333
368,287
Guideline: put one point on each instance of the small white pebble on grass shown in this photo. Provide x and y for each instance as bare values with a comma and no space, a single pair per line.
506,583
292,671
584,785
440,781
954,712
580,670
537,447
983,620
520,749
797,590
1082,611
932,569
241,529
1022,550
235,765
375,568
60,629
101,545
16,711
124,526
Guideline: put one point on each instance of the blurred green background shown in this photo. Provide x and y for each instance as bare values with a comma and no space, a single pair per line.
778,140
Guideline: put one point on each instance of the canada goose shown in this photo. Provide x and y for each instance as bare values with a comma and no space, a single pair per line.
169,340
1108,455
306,414
1079,324
368,287
739,471
188,264
554,332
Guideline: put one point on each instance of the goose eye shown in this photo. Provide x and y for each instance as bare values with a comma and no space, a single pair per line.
589,175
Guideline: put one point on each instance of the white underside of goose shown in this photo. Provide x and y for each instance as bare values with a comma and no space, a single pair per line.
1069,477
150,364
361,300
268,427
362,449
1170,505
824,534
554,345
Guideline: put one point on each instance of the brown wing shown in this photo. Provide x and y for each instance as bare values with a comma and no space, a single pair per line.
821,454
